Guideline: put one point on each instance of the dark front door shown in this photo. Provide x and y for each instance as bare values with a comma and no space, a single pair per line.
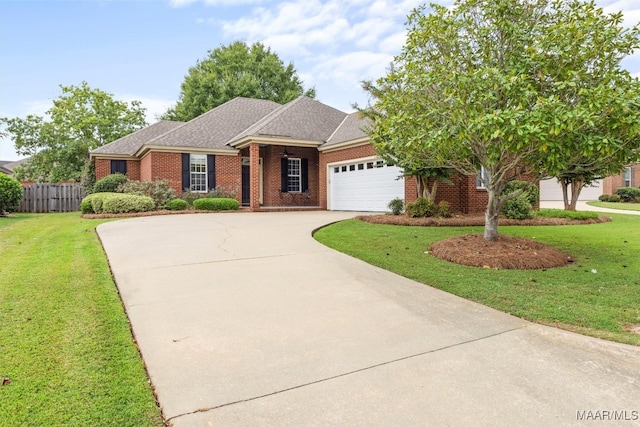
246,185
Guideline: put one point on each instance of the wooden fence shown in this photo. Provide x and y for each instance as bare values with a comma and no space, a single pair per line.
51,198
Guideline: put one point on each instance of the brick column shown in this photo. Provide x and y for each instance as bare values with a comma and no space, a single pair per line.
254,168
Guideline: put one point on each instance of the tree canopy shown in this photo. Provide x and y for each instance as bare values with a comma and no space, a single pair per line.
81,119
232,71
492,85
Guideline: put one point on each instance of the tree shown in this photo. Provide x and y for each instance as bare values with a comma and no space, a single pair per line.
10,194
236,70
594,103
81,119
412,162
471,89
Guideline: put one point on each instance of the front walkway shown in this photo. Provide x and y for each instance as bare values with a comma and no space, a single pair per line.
244,320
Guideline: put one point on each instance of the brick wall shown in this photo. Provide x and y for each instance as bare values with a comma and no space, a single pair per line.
162,166
103,168
229,175
612,183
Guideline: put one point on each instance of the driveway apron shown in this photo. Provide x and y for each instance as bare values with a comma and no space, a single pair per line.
244,319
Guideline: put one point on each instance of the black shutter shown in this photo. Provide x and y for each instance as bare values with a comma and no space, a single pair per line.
211,171
186,171
305,175
284,172
119,166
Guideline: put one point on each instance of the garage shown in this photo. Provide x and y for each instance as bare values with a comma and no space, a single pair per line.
551,190
366,185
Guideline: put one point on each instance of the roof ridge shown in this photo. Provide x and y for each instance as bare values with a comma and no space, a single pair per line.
337,128
265,120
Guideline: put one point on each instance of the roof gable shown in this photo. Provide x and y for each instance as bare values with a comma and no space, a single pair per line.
350,129
301,119
216,127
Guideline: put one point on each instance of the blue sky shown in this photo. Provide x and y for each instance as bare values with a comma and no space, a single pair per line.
143,49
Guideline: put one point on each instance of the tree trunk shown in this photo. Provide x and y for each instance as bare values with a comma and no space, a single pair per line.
576,187
491,216
565,196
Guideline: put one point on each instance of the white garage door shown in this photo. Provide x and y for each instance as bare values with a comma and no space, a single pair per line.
366,185
550,189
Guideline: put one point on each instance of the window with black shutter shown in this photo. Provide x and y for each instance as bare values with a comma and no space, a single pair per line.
294,175
119,166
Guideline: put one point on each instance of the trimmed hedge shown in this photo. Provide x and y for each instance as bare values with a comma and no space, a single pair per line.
125,203
424,208
559,213
612,198
177,205
110,183
113,203
629,194
211,204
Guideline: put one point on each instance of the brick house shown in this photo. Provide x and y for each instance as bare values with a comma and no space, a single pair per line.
630,177
301,154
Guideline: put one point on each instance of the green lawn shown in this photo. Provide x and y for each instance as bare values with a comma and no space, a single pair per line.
621,206
65,342
598,295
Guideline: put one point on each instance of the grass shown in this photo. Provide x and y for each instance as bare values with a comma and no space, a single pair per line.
621,206
599,295
65,342
560,213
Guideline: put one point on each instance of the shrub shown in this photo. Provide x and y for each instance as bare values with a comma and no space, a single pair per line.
110,183
11,194
629,194
532,193
517,208
443,209
421,208
158,190
211,204
126,203
559,213
177,205
614,198
93,202
218,193
396,206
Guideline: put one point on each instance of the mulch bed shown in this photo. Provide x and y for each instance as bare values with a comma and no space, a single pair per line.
504,253
468,220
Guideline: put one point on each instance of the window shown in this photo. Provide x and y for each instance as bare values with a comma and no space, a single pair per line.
352,168
482,174
360,166
119,166
627,177
198,168
294,176
336,170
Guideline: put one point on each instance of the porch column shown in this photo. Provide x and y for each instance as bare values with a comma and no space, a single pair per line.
254,172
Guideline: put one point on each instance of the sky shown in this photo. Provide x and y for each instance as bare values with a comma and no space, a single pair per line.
142,50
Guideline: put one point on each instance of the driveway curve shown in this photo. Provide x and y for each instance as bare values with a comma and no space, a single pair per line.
244,319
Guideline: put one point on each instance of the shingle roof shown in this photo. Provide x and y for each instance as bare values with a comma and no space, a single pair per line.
301,119
215,128
129,144
8,166
350,129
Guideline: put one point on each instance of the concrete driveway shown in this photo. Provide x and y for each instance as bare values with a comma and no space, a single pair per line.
244,320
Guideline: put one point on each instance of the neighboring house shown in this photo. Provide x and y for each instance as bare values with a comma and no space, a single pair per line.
303,153
630,177
8,166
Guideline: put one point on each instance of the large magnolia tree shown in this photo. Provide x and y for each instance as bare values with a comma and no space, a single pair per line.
479,86
236,70
80,120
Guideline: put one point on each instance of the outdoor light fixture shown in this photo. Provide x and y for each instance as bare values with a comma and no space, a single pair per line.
285,154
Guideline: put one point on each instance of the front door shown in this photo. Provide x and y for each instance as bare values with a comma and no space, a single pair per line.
246,185
246,182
